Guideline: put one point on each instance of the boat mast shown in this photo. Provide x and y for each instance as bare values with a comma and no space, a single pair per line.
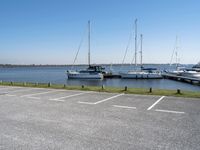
89,42
141,40
135,42
176,53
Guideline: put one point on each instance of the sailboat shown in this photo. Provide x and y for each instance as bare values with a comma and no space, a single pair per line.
178,69
143,73
182,71
92,72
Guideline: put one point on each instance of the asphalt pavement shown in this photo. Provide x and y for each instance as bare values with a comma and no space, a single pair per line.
53,119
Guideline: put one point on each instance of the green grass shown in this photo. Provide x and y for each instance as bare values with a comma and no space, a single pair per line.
108,89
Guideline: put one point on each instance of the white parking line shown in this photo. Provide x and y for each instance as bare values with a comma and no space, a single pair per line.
126,107
101,101
170,111
21,89
56,100
10,95
33,97
156,103
29,95
108,98
88,103
7,88
69,96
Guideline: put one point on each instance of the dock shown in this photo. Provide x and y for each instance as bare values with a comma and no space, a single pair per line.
181,78
111,76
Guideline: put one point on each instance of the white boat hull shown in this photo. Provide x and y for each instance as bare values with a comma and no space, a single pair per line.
141,75
191,74
78,75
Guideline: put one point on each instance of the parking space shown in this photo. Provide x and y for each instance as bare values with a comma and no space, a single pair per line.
93,120
23,92
7,89
178,105
140,102
61,95
96,98
160,104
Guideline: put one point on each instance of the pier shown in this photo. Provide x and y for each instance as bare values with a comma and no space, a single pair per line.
110,75
181,78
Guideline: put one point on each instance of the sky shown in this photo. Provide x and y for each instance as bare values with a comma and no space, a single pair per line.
50,31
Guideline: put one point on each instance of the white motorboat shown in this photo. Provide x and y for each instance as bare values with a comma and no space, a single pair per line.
92,72
182,71
196,67
190,74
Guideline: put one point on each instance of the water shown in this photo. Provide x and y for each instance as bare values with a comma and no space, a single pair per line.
58,75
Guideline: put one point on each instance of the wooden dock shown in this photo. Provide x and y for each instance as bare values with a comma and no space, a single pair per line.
112,75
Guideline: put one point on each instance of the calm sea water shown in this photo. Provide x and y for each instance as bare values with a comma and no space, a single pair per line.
58,75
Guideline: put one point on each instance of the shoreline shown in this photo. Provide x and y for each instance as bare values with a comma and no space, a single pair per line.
68,65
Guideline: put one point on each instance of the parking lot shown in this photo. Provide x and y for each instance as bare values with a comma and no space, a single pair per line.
37,118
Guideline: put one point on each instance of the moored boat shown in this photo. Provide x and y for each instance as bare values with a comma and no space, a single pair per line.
195,68
147,73
92,72
143,73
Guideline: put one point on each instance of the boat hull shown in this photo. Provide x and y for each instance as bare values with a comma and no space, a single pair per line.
191,74
77,75
141,76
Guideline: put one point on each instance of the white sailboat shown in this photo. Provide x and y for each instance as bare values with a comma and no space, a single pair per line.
177,69
182,71
143,73
92,72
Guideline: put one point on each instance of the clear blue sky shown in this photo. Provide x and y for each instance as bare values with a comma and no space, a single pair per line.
49,31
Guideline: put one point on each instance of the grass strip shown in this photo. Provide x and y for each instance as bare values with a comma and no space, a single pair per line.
141,91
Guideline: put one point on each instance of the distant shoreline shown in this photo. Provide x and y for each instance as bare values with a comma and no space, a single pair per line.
67,65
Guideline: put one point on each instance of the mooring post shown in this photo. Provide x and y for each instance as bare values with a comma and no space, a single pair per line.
125,88
49,84
150,90
178,91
